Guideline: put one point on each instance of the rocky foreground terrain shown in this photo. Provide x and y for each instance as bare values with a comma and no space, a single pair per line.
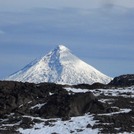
48,108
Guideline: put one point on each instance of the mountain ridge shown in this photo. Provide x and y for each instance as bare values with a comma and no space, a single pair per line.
62,67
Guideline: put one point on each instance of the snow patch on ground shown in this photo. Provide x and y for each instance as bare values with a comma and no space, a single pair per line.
50,93
11,125
77,125
74,90
121,111
38,106
125,92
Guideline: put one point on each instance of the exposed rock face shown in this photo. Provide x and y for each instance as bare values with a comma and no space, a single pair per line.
71,105
15,96
45,100
123,80
87,86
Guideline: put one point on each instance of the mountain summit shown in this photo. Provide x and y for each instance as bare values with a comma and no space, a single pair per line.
59,66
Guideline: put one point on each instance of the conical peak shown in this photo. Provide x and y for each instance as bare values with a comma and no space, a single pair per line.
58,66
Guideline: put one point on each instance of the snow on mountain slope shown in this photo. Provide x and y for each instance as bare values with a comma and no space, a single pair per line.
60,66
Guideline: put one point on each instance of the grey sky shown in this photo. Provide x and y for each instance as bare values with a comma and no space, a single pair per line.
100,32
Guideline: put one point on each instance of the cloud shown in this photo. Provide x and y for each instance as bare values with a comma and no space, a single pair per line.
13,5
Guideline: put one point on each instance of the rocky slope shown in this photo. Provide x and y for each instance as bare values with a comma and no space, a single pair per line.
46,100
47,108
53,100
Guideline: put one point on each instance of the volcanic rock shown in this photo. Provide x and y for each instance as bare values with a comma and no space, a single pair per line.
123,80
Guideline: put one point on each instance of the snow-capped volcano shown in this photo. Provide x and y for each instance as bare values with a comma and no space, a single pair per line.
59,66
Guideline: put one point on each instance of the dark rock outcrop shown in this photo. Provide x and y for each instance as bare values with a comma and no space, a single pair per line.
18,96
123,81
71,105
45,100
119,81
87,86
